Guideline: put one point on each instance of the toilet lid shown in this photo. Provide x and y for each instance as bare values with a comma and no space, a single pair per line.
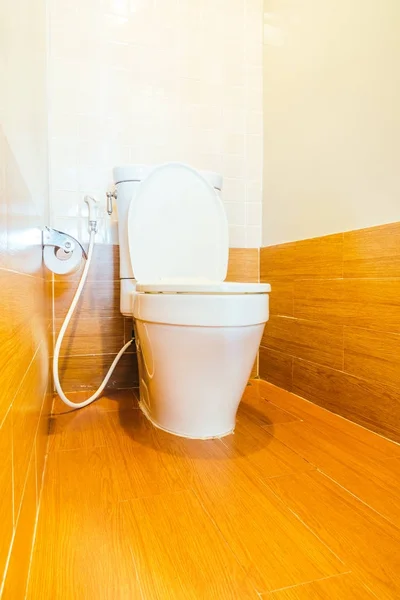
177,227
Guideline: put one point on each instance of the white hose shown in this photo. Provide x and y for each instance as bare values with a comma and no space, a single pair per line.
62,333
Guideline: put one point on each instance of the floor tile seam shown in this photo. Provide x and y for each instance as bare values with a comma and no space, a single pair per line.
363,502
298,517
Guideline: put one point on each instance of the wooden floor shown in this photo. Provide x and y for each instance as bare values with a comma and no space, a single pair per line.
297,504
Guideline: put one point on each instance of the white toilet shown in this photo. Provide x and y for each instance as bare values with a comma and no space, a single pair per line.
197,336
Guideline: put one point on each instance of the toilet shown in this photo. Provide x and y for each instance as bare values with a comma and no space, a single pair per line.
197,336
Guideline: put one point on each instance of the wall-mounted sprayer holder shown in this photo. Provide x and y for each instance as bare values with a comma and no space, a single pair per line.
62,253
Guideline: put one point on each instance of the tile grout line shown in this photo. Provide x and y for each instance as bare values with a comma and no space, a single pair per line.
348,435
334,413
36,525
265,483
296,585
16,518
20,385
320,470
357,498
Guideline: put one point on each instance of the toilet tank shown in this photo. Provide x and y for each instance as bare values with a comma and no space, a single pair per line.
127,179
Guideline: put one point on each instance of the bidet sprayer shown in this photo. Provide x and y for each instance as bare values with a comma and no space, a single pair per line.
92,206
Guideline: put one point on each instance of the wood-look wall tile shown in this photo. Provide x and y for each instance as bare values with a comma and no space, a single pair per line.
104,265
254,371
110,400
26,410
15,346
42,435
128,329
372,404
103,335
99,299
243,265
372,303
18,568
24,320
368,303
20,337
275,367
344,434
314,258
87,372
372,252
319,300
281,297
317,342
6,495
372,355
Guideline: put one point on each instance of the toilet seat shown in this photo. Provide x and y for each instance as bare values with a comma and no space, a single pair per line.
202,310
192,286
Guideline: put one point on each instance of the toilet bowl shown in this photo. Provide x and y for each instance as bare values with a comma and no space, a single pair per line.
197,336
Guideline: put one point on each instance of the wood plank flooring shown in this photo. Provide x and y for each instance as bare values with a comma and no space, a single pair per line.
297,504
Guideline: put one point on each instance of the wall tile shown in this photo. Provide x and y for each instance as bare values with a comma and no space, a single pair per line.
275,367
372,355
189,88
26,306
104,265
320,343
79,373
236,213
243,265
374,405
233,143
254,192
22,329
253,213
234,190
346,305
103,335
317,258
253,236
370,303
6,496
18,568
26,410
42,435
281,297
98,300
372,252
237,236
322,300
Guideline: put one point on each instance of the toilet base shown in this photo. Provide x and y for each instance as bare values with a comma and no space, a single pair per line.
192,379
142,407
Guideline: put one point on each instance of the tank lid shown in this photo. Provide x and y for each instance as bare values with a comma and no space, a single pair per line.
213,178
131,172
138,172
